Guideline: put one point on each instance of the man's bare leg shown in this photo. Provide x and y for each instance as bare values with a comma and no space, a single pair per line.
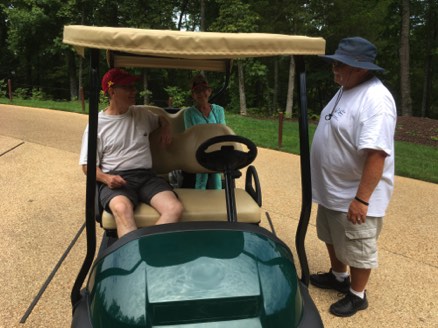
359,278
169,207
123,212
337,265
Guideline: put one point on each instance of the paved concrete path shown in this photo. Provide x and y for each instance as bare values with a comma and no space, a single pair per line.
42,206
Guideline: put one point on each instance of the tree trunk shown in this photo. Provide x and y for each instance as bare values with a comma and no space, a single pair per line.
202,15
80,69
431,35
202,22
290,88
405,84
146,99
28,69
182,13
427,84
71,58
242,96
274,108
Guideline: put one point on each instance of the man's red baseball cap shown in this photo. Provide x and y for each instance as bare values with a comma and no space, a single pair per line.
116,76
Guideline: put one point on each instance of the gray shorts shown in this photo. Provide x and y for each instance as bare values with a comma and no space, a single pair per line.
141,186
355,244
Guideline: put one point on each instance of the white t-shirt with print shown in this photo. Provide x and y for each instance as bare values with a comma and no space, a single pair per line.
122,140
364,118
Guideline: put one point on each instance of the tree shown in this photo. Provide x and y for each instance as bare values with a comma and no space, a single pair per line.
290,89
405,83
31,31
7,62
235,16
33,54
431,51
337,19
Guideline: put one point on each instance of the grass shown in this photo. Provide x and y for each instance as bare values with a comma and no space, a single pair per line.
264,132
69,106
412,160
416,161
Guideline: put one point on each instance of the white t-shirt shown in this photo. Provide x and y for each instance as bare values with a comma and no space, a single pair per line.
122,140
364,118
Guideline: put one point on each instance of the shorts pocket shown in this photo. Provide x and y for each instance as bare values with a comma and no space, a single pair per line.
360,234
361,247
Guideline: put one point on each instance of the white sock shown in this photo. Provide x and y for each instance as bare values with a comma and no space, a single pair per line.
340,276
358,294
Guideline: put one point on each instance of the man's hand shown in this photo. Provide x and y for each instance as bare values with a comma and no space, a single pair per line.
357,212
114,181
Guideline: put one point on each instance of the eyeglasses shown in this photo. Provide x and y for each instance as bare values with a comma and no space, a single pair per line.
200,90
126,87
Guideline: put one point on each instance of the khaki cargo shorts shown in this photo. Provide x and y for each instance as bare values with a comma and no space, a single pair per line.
355,244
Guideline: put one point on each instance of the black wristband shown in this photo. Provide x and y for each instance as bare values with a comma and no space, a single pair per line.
361,201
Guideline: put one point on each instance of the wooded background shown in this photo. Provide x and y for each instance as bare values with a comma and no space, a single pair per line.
405,32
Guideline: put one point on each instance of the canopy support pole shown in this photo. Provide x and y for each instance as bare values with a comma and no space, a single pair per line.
91,177
226,82
306,185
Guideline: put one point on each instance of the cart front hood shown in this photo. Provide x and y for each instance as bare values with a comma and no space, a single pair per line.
172,279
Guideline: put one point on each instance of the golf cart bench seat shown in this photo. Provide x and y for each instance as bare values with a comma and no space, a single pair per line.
199,205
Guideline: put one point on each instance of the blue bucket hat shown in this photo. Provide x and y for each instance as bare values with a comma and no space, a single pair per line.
356,52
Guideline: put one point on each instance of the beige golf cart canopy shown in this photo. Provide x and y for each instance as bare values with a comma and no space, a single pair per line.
129,47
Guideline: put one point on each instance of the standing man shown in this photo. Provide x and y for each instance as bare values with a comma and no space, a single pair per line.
124,161
352,166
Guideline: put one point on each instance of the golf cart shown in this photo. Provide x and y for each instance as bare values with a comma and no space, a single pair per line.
217,267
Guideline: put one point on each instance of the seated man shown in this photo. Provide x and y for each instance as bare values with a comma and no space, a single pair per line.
124,161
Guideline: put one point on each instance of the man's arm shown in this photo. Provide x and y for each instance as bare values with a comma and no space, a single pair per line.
371,175
166,131
112,181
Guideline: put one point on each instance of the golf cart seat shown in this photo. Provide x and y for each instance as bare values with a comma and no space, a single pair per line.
199,205
174,115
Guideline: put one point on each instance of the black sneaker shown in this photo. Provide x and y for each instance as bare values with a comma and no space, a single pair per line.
328,281
349,305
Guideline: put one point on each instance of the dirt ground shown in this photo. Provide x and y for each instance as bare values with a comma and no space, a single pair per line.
417,130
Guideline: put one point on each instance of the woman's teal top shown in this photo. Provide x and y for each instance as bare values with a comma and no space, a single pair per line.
192,116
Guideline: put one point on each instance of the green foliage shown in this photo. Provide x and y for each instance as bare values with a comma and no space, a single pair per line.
3,88
34,56
21,93
103,99
32,94
178,95
145,94
38,95
235,16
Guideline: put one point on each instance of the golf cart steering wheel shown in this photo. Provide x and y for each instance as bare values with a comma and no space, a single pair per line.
227,158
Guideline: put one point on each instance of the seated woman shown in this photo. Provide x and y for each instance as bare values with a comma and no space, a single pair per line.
203,113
